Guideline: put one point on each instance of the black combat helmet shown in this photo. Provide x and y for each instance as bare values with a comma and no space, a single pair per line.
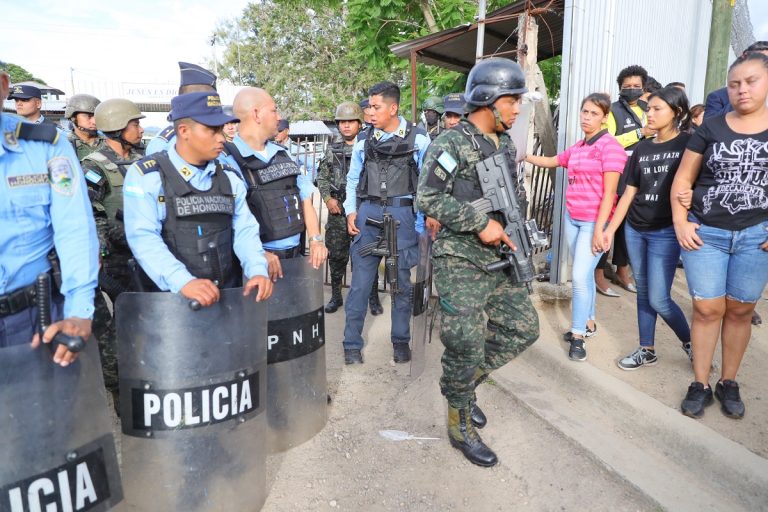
492,78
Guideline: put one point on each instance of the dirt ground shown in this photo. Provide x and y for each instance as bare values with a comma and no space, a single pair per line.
349,466
669,379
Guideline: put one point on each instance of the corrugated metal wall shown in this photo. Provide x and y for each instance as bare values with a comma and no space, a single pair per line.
669,38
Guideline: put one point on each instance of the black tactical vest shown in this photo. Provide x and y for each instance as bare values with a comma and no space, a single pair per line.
626,119
390,169
342,158
198,224
469,190
273,193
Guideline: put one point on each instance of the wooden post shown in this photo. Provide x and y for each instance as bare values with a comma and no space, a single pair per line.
719,42
413,88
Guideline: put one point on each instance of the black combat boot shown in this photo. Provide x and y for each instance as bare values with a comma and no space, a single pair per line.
464,437
336,301
477,415
373,301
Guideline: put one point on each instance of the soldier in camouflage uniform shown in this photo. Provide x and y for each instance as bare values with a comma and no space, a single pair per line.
84,136
431,110
104,171
332,183
467,243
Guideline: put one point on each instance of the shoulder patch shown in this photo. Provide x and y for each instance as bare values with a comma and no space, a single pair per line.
146,165
37,132
94,177
62,176
166,133
447,162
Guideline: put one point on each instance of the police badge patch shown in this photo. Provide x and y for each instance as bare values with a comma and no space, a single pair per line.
61,175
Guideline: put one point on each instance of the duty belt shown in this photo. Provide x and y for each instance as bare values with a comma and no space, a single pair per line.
285,254
391,201
17,301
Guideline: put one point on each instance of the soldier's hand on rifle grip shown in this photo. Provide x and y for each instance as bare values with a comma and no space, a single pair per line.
351,227
71,326
493,234
274,268
201,290
318,253
262,283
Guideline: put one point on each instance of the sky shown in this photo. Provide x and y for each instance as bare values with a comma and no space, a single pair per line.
139,41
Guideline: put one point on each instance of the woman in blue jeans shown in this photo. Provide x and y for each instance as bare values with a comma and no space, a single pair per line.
649,233
594,165
725,234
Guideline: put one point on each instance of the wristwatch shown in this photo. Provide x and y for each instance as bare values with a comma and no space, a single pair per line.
317,238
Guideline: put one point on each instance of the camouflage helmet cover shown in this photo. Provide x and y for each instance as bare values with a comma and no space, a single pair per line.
433,103
81,103
115,114
349,111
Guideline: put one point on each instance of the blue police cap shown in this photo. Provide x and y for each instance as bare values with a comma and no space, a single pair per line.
365,103
192,74
283,124
454,103
203,107
24,92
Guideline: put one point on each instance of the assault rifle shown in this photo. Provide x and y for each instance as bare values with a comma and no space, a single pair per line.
501,194
386,247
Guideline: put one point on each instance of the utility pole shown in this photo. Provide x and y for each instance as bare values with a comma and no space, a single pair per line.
480,31
72,79
719,42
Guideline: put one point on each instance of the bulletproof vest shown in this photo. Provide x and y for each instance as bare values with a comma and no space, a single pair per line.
114,170
626,119
469,190
342,158
390,169
273,193
198,224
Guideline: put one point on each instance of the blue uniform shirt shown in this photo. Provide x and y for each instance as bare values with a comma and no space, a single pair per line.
144,215
44,203
158,144
304,181
358,159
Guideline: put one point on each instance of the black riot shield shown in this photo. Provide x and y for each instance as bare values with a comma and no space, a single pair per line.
423,306
57,449
192,397
297,388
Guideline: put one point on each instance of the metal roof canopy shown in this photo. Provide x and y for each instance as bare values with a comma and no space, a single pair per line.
454,48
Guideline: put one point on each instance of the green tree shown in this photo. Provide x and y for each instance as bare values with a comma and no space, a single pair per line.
19,74
302,56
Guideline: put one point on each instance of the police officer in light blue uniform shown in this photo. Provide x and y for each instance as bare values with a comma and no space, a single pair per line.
391,153
29,104
43,205
193,79
274,178
175,199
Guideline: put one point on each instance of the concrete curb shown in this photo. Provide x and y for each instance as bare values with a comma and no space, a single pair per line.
674,460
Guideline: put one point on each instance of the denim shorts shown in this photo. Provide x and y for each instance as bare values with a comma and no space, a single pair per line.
730,263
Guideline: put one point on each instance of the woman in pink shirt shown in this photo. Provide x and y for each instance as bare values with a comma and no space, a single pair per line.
594,165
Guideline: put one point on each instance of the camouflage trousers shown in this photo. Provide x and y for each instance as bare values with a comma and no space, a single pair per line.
337,240
104,331
468,293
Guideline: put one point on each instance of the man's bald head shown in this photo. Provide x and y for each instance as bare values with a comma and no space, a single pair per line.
257,113
248,100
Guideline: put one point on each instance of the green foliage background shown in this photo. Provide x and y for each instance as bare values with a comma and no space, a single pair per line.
313,55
